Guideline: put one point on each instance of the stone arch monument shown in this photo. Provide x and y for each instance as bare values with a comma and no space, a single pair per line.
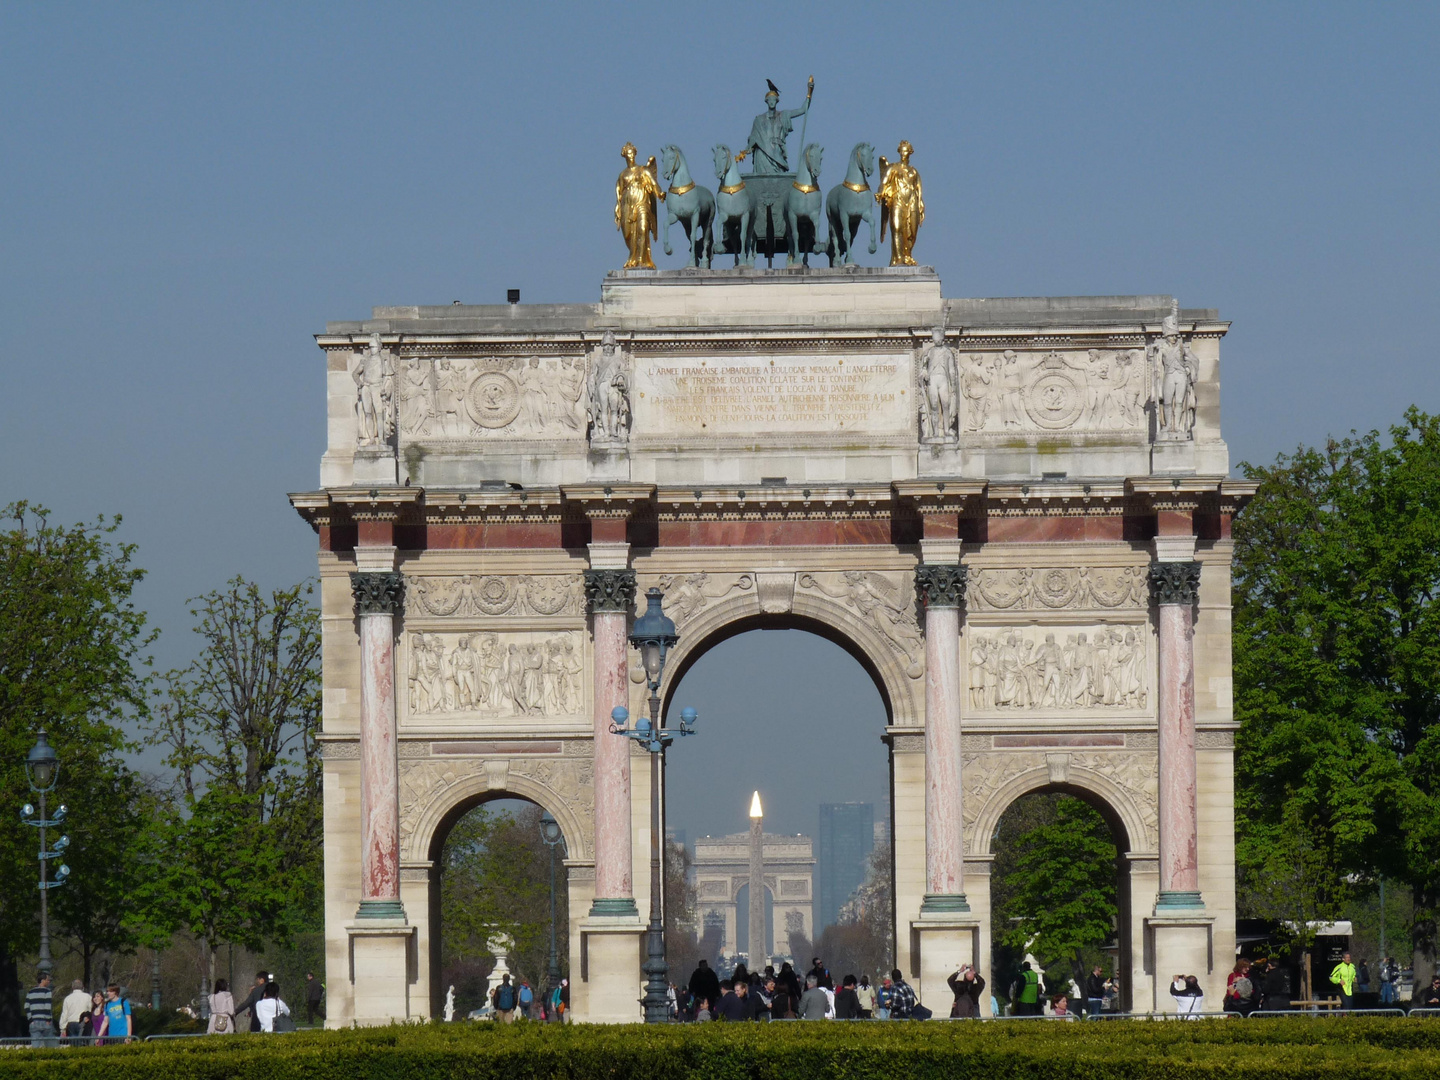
980,499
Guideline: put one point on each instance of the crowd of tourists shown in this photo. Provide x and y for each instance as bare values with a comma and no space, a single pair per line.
104,1016
518,1001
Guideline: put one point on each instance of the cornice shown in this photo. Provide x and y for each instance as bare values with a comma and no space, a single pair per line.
941,496
765,501
1071,498
613,500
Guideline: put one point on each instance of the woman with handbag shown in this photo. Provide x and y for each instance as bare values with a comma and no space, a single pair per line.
222,1010
273,1014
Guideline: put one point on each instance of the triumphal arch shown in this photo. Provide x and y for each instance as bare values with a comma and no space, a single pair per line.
1015,513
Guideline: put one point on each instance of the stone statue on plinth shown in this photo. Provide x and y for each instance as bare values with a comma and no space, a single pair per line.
636,190
904,204
1176,371
939,382
769,131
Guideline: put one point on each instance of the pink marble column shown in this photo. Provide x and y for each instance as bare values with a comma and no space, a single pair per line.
611,593
1175,585
943,588
377,599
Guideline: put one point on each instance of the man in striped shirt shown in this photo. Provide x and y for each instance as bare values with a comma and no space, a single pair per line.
40,1011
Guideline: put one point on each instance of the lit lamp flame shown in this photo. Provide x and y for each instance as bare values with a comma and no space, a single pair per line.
755,810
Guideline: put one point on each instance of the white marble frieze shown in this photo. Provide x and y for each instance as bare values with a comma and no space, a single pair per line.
1024,670
485,674
1057,588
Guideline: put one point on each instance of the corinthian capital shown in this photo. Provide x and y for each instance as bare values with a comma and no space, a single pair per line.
942,586
377,593
610,590
1175,582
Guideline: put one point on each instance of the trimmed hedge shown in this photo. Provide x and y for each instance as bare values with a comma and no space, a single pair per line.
1280,1049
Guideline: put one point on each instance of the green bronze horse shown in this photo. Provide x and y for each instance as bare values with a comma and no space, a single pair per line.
690,204
802,209
850,203
735,211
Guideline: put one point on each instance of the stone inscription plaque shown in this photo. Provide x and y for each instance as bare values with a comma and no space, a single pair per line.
765,395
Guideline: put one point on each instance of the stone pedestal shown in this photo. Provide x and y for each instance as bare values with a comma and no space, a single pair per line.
612,950
1179,944
382,965
942,941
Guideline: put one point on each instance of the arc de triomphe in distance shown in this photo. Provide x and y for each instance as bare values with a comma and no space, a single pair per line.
1014,513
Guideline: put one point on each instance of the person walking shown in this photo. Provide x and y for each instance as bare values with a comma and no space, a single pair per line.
1094,990
1362,981
821,973
967,985
704,983
222,1010
790,982
903,1003
314,998
116,1025
40,1011
847,1002
1343,976
272,1013
503,1000
1388,971
1026,992
865,994
884,998
527,998
257,993
76,1002
1240,991
1275,989
814,1003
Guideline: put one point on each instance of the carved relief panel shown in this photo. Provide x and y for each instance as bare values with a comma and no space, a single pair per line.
489,674
495,595
1063,669
1058,588
886,603
1090,390
492,397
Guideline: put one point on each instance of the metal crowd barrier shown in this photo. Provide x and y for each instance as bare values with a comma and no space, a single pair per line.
1102,1016
1423,1013
1312,1013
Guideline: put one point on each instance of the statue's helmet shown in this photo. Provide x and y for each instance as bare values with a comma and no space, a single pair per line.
607,339
1170,327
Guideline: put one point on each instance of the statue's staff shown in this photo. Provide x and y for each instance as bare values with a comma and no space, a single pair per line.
809,93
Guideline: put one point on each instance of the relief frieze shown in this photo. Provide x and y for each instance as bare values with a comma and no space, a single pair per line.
1058,588
496,675
1012,669
1013,392
469,595
492,396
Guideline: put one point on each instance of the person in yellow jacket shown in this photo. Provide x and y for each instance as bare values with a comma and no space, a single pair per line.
1344,977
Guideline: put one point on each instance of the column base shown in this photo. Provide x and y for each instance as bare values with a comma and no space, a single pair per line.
612,955
382,972
943,904
1178,943
615,907
381,909
942,941
1168,902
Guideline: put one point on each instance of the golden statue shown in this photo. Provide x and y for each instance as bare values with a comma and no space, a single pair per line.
635,193
904,205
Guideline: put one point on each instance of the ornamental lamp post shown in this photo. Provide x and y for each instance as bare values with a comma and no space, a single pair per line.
654,635
550,833
42,766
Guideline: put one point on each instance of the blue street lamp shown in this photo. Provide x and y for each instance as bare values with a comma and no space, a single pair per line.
654,635
550,833
42,766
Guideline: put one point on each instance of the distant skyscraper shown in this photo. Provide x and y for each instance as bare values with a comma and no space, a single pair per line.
847,836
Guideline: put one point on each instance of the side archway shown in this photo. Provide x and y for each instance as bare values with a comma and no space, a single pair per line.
1127,819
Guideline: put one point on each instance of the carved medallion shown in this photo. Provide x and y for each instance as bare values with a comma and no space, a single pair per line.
495,595
1054,399
494,400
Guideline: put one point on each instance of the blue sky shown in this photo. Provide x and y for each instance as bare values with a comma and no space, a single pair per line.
188,192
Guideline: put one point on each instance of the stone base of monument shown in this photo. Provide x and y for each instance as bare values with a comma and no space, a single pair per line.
375,466
382,967
1178,942
609,988
940,942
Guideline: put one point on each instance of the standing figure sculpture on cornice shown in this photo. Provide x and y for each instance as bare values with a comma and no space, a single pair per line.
1176,371
374,377
770,130
904,204
636,190
939,379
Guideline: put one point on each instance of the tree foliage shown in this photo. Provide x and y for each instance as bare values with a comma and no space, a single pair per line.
73,662
1057,883
495,879
1337,650
237,854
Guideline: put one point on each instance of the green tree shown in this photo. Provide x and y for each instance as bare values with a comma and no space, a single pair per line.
495,879
1337,649
1058,885
239,854
72,662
